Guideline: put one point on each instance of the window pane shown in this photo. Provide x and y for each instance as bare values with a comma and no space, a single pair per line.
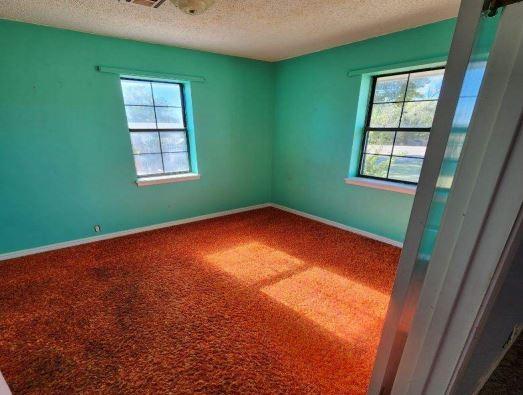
379,143
411,144
176,163
385,115
464,111
391,88
418,114
137,92
424,85
140,117
169,118
167,94
145,143
173,141
375,165
405,169
473,78
148,164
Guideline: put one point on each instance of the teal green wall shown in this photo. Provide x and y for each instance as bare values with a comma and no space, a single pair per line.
280,132
317,121
65,152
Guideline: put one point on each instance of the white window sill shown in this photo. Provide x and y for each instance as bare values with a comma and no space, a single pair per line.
146,181
383,185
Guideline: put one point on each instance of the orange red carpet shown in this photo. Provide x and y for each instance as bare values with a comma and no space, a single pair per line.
262,302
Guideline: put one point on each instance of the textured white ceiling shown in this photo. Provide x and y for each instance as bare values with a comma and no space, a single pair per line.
260,29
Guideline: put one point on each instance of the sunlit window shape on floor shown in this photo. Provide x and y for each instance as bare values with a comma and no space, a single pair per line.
350,310
255,262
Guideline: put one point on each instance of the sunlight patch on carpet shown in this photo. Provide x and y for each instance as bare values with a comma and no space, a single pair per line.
350,310
255,262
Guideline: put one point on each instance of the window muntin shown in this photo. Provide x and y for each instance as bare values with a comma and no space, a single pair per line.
399,119
157,126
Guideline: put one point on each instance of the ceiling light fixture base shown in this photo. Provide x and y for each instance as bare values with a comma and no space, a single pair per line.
193,7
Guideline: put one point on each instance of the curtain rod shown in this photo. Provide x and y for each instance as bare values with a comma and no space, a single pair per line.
150,74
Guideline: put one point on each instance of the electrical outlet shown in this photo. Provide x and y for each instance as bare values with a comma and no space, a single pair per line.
97,228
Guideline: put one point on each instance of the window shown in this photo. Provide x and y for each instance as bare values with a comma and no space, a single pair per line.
398,124
156,120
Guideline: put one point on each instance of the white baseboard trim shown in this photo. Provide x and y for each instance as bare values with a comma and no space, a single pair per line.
72,243
86,240
340,226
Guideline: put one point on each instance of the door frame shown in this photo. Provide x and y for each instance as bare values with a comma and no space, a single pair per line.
393,335
462,272
479,227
